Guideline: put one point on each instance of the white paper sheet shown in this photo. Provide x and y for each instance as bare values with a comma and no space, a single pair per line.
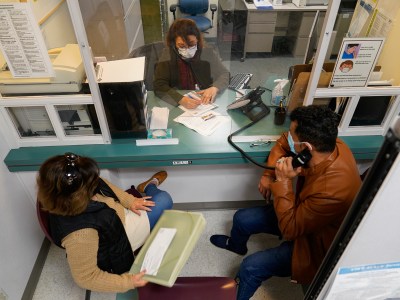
204,124
202,108
157,249
159,118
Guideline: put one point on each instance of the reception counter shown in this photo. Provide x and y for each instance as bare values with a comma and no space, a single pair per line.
193,148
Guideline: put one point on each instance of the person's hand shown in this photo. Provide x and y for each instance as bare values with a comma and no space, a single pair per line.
137,279
189,103
141,204
284,169
264,187
208,95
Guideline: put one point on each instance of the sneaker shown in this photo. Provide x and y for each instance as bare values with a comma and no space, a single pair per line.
222,241
157,179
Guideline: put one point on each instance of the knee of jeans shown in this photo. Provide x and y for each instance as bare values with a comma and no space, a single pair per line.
239,216
166,200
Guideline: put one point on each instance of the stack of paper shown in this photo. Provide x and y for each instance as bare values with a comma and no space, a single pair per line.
205,124
263,4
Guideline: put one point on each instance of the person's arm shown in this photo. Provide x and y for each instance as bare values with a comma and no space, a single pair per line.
81,247
327,202
219,75
129,201
162,84
278,150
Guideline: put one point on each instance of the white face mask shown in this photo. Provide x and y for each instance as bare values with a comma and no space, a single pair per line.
187,53
345,70
291,143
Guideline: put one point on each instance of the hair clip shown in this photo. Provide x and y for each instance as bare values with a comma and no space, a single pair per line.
71,171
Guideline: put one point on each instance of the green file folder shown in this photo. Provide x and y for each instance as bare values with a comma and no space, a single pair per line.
189,226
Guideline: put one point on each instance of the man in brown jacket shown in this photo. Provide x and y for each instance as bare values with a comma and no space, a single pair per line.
309,216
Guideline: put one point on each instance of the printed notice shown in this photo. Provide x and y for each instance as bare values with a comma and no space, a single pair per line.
356,61
21,42
367,282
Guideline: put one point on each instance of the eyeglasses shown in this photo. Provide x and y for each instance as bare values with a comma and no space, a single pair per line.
71,171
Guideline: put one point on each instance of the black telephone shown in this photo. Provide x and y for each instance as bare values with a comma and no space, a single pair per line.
252,105
301,159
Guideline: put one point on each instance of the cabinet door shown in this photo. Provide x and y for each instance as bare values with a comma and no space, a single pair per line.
259,42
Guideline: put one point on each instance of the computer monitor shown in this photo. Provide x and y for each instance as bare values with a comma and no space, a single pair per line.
69,115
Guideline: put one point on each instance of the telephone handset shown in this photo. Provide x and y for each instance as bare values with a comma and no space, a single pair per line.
301,159
252,105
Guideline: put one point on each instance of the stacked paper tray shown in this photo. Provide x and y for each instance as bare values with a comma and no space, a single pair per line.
262,4
189,226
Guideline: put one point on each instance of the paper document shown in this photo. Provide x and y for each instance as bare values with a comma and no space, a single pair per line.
263,4
204,124
157,249
159,118
202,108
367,282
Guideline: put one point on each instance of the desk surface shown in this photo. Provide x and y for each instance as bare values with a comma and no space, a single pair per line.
287,7
193,148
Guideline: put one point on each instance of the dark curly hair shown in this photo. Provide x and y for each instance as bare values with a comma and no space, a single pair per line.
317,125
65,188
183,28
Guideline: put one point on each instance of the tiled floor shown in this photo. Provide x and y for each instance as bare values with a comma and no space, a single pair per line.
206,260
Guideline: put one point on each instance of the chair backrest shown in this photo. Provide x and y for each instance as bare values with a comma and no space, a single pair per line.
43,218
152,52
193,7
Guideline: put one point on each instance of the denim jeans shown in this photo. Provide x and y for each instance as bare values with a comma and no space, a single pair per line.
261,265
162,200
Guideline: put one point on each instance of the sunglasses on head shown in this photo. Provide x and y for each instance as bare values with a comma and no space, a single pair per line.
71,171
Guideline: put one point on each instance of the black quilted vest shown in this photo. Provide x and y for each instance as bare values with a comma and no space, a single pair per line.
115,253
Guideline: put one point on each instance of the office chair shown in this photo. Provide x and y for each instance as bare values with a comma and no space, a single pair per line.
194,8
152,52
193,288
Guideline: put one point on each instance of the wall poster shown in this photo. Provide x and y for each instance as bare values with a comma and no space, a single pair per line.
356,60
22,43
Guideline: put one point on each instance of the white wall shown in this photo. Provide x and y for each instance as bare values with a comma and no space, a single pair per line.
20,234
376,239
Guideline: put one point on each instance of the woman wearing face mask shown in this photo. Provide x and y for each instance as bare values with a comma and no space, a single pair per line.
346,66
186,64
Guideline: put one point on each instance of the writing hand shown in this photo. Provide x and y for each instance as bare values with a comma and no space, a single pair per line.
189,103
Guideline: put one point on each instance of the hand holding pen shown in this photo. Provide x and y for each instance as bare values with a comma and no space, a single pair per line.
190,100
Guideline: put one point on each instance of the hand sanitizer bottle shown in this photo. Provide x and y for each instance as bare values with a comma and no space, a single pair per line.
277,92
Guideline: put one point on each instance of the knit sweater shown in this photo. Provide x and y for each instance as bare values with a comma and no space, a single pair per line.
82,245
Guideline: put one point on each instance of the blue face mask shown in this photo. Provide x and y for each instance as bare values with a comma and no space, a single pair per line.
291,143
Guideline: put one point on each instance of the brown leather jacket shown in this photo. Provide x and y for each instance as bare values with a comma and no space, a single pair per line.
313,218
